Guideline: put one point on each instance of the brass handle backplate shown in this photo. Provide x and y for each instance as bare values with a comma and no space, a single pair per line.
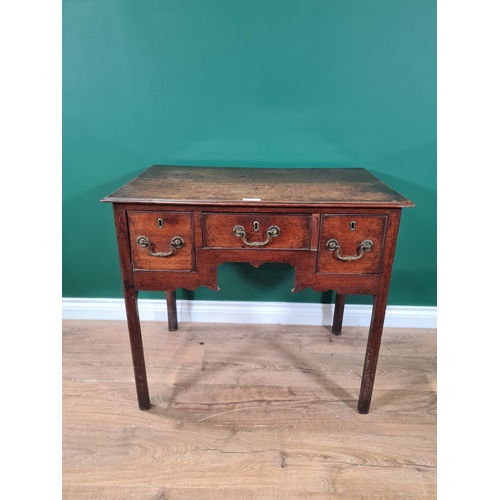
333,246
272,232
175,243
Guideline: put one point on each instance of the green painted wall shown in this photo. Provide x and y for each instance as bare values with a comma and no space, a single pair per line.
282,83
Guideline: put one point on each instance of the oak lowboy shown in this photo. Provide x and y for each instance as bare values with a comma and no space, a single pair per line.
337,227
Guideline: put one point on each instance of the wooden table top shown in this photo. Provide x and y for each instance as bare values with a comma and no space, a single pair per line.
259,186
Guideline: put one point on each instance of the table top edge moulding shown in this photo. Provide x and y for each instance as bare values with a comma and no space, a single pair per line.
337,227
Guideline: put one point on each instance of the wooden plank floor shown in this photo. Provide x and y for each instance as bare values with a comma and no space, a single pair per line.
247,412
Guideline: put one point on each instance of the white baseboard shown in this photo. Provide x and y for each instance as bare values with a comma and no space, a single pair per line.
280,313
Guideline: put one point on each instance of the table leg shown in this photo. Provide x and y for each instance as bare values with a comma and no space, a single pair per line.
134,329
372,350
338,314
172,311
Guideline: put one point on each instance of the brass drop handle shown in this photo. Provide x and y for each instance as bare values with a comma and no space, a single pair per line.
272,232
333,246
175,243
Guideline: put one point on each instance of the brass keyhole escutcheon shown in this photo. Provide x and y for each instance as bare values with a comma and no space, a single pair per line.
160,223
352,225
255,226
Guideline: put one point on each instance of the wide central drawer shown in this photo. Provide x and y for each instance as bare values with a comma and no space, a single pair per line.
254,231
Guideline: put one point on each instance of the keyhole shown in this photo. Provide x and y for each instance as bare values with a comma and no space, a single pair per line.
352,226
160,223
255,226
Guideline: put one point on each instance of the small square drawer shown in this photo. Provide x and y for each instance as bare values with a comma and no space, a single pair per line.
161,240
351,243
254,231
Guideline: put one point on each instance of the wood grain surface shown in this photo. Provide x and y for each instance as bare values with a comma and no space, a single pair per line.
175,224
226,185
247,412
368,227
294,230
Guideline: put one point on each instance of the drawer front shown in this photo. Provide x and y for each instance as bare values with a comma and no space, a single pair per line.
256,231
351,243
161,240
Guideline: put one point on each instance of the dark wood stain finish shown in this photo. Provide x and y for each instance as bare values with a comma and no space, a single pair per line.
238,186
172,311
294,230
130,295
202,205
145,223
338,314
367,227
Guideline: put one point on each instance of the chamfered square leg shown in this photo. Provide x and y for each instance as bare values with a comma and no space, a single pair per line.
372,351
134,329
172,311
338,314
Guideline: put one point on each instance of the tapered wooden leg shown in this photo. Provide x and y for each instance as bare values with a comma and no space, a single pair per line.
172,311
372,350
134,330
338,314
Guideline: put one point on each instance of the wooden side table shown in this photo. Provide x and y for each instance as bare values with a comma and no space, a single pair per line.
337,227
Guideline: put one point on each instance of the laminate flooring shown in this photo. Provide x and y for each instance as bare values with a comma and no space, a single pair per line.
247,412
